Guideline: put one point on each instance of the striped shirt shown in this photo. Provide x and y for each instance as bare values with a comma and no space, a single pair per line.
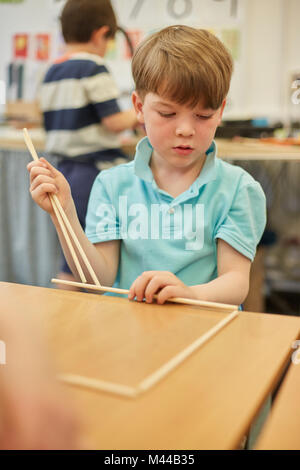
76,94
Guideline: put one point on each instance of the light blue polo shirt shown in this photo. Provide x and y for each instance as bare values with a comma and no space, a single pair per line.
163,233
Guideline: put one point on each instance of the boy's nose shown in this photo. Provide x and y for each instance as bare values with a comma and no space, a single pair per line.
185,130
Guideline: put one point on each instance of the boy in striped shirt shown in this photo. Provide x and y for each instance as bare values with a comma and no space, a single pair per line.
78,98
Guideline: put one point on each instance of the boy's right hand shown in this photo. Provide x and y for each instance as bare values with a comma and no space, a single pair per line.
45,180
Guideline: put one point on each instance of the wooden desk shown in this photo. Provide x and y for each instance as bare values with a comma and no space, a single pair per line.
281,431
208,402
253,149
11,138
244,150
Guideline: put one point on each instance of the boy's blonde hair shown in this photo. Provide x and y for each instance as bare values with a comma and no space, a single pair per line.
185,65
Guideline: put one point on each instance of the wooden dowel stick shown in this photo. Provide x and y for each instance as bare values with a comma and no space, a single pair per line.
152,379
114,290
97,384
57,205
203,303
35,157
68,241
175,361
177,300
30,145
76,241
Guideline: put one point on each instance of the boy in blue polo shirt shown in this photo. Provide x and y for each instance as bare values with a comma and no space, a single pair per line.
177,221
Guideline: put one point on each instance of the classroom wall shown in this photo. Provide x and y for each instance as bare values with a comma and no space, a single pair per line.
263,93
291,55
272,50
31,16
266,44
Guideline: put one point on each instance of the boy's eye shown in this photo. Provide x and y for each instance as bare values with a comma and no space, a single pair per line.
166,115
200,116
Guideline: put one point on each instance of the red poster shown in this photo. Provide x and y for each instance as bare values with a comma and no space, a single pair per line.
135,36
20,45
42,42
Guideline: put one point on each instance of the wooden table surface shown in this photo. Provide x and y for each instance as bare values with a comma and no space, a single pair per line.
207,402
254,149
282,429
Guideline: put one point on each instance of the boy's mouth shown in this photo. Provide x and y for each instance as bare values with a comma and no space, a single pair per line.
183,149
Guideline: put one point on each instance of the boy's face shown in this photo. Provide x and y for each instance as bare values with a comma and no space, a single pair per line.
180,135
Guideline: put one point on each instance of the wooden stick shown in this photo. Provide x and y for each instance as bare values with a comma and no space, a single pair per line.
177,300
29,144
35,157
152,379
176,360
90,286
96,384
76,241
62,218
68,241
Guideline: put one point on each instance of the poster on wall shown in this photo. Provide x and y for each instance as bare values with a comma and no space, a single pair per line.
135,36
42,46
231,39
20,46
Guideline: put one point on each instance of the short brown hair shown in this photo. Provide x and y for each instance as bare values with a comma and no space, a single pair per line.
184,64
80,18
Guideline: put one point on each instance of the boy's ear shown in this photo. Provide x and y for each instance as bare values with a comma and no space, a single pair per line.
138,106
100,33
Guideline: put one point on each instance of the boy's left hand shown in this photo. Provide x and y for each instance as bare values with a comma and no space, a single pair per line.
162,283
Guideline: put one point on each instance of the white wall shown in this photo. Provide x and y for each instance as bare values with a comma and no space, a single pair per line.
291,56
272,51
269,48
31,16
263,68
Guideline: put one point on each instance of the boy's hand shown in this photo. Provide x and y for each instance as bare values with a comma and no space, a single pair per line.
44,180
163,283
